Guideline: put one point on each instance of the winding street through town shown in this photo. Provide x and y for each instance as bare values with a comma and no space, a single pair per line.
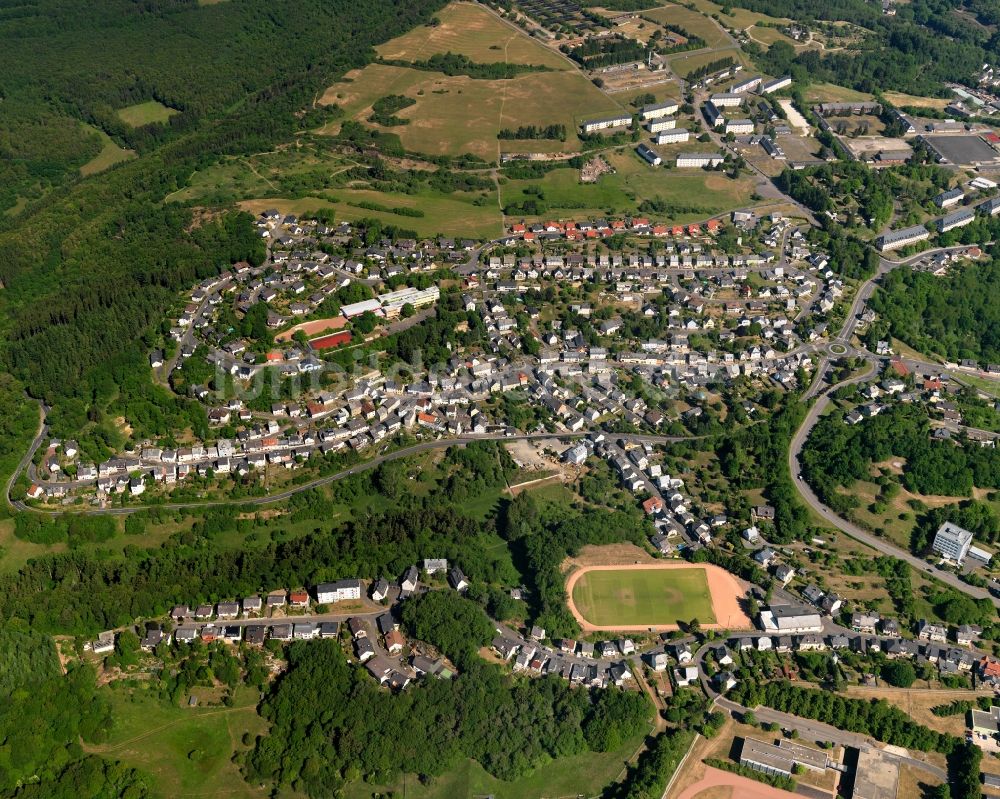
838,347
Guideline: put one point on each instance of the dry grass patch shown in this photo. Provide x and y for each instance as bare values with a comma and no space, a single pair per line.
831,93
473,31
608,555
685,64
915,783
359,88
109,155
458,114
899,99
917,703
693,22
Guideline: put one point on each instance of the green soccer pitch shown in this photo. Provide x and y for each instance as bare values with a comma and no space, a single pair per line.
637,597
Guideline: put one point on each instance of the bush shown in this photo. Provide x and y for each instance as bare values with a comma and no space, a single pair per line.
899,674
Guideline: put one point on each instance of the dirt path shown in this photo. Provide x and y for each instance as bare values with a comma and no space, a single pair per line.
503,101
724,588
660,723
106,748
514,490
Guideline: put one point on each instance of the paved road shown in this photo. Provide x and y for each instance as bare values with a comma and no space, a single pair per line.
812,417
851,529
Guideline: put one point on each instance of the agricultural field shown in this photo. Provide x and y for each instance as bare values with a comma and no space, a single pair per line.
109,155
899,99
662,92
642,597
690,194
457,114
766,35
474,31
145,113
739,18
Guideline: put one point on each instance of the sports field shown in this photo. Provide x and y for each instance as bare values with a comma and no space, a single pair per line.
660,596
646,597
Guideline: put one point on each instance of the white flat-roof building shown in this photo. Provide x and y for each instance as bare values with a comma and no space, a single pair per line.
980,555
952,542
338,591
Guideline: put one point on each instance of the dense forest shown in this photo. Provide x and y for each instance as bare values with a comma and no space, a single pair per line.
757,457
332,725
89,273
86,593
43,719
929,45
957,316
838,454
543,540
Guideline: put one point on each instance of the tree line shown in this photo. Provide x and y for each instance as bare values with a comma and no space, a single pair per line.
557,131
458,64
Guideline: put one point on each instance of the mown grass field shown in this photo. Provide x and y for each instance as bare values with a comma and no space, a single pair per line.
694,194
579,775
145,113
449,216
186,751
646,597
473,31
109,155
